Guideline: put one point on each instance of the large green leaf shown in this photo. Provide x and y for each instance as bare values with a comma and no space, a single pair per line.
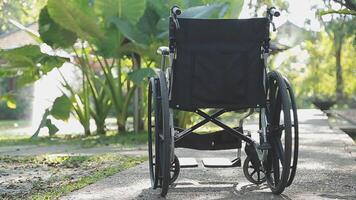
202,11
130,31
61,108
22,57
76,16
130,10
138,76
234,8
52,33
30,56
148,21
109,46
28,63
205,11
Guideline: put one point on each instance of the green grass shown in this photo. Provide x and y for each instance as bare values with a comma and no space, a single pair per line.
67,161
125,140
6,124
69,185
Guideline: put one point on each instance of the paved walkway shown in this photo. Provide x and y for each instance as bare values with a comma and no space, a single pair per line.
326,170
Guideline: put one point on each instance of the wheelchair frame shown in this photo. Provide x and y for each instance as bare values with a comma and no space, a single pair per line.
258,156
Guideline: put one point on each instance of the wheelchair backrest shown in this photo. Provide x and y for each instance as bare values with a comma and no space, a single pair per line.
218,63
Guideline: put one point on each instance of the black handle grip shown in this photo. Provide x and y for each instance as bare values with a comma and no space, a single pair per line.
274,12
176,10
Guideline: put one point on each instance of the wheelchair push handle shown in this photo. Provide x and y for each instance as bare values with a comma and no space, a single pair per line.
176,10
272,11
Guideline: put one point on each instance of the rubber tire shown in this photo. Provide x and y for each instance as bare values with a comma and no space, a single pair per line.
248,175
295,134
281,102
153,147
165,136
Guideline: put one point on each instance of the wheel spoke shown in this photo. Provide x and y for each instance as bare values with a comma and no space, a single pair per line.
280,151
254,171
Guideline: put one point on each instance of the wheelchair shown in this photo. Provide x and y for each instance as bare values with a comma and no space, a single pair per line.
220,65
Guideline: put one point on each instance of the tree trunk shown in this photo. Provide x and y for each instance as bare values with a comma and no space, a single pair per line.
138,122
12,84
120,125
87,132
339,79
100,129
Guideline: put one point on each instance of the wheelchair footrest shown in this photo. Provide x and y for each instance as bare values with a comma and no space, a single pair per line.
221,162
187,162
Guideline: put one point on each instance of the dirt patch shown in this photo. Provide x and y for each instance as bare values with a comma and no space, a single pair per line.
23,176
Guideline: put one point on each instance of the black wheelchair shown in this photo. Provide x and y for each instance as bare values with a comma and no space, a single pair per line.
220,65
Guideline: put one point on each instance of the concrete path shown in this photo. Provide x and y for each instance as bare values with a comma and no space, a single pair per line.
326,170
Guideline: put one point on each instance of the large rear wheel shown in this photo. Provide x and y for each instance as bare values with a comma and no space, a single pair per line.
278,163
154,121
295,134
160,149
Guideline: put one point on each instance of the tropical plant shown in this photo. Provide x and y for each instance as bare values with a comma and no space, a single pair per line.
105,27
111,39
27,64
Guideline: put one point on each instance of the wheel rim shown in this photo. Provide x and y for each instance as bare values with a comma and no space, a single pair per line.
279,135
295,134
165,137
256,176
153,145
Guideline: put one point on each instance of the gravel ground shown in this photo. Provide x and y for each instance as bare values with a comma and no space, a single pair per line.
326,170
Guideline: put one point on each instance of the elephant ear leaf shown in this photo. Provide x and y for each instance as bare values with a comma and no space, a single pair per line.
52,33
28,63
139,75
130,31
202,12
61,108
76,16
128,10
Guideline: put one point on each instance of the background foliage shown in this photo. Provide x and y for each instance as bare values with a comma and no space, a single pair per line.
113,43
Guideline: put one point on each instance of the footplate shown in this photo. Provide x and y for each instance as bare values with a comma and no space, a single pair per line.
221,162
187,162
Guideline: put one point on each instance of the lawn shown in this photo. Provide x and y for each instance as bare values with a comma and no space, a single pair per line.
124,140
8,124
38,172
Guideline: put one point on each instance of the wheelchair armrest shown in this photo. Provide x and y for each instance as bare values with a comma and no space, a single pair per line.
164,51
